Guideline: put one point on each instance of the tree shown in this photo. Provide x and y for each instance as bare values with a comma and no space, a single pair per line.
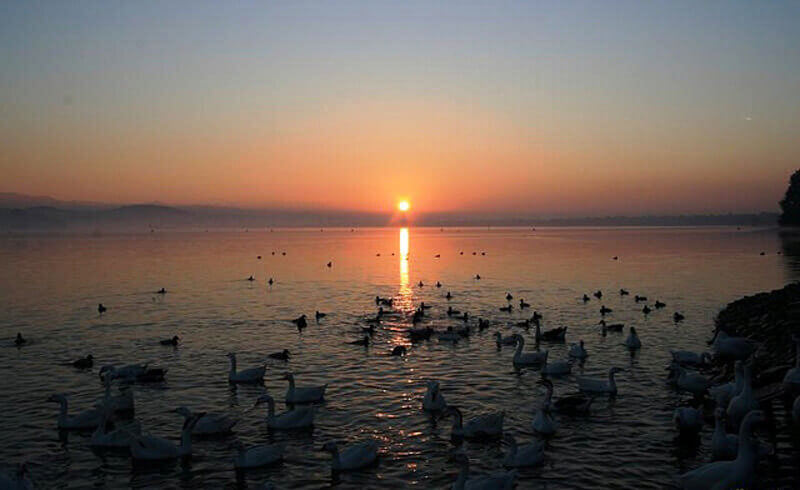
791,202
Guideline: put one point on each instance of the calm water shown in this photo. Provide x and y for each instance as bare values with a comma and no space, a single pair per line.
50,287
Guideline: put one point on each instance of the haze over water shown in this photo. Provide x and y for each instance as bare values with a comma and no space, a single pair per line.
51,286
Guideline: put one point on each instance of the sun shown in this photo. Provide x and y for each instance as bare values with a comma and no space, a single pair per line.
403,206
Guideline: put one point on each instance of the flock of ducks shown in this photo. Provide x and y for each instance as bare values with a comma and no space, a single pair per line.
735,451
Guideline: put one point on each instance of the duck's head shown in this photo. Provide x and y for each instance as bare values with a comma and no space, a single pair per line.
286,352
108,368
633,330
89,357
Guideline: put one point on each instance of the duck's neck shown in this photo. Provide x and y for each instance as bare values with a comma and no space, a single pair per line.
520,345
747,387
186,441
719,426
233,365
271,408
612,383
291,383
746,453
64,406
335,455
457,421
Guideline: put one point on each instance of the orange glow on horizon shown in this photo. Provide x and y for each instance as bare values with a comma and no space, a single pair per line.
403,206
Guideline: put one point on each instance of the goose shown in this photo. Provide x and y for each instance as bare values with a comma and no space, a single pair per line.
555,334
658,304
604,311
281,356
318,315
727,347
106,437
298,418
485,426
20,340
688,420
118,403
578,351
17,481
507,308
693,383
646,310
543,422
100,308
501,341
84,362
586,298
89,419
677,317
252,375
613,327
527,358
434,400
449,336
623,292
633,342
577,404
353,457
791,381
310,394
300,321
173,341
523,304
209,424
502,480
257,456
153,448
399,350
738,473
724,446
557,368
364,342
688,358
722,394
483,324
521,456
597,385
744,402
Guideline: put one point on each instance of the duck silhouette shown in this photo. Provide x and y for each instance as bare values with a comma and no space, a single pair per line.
100,308
173,341
300,321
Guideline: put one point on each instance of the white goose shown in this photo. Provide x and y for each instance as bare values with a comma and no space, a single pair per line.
153,448
89,419
310,394
543,422
688,420
723,394
578,351
598,385
484,426
738,473
118,403
724,446
252,375
117,438
791,381
633,342
744,402
257,456
689,358
434,400
503,480
527,358
299,418
557,368
694,383
17,481
727,347
501,341
521,456
210,423
353,457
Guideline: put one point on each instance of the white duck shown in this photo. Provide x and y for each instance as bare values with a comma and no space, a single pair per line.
738,473
17,481
434,400
501,341
117,438
353,457
503,480
744,402
299,418
724,446
257,456
723,394
89,419
153,448
520,456
556,368
210,423
688,420
597,385
252,375
118,403
727,347
484,426
791,381
527,358
578,351
694,383
689,358
309,394
633,342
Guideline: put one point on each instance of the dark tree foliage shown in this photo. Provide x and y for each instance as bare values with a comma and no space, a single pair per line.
791,202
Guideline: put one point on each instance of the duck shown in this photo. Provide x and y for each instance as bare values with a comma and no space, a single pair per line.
732,348
418,334
251,278
638,299
791,381
364,342
19,341
611,327
523,304
502,480
558,368
251,375
604,310
329,264
84,362
738,473
527,455
624,292
399,350
578,351
658,304
122,403
598,294
689,358
449,296
423,306
353,457
576,404
744,402
421,284
526,324
257,456
300,321
527,358
153,448
107,437
451,311
507,309
509,297
722,394
483,324
433,401
586,298
131,373
688,420
161,291
281,356
271,281
633,342
449,336
17,481
173,341
89,419
209,424
438,284
101,309
536,317
308,394
501,341
477,277
554,335
598,385
298,418
724,446
677,317
318,315
485,426
646,310
693,383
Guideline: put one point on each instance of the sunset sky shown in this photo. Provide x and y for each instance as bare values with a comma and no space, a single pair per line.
568,108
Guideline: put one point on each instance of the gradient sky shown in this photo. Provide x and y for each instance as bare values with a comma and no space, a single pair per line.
567,108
